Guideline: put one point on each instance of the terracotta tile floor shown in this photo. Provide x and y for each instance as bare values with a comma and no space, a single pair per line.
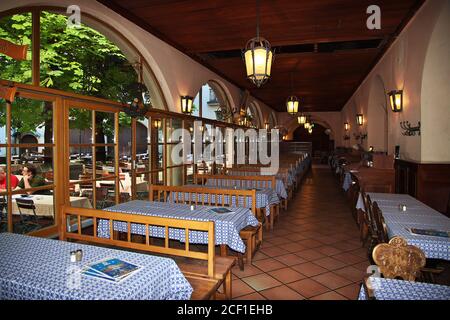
313,252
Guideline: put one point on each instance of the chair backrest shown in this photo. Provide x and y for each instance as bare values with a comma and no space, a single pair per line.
379,223
265,182
397,259
205,196
24,203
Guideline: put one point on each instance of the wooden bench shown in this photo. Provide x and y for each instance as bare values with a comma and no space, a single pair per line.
264,182
204,270
251,235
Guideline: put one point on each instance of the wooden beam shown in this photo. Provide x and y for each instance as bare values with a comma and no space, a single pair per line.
36,47
15,51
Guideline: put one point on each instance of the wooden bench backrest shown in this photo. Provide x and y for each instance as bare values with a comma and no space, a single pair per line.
266,182
186,196
78,215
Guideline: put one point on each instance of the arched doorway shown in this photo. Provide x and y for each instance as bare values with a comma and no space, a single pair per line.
28,139
319,138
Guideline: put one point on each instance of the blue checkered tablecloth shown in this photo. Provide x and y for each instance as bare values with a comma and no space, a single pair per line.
265,198
347,181
390,289
227,225
280,188
40,269
418,215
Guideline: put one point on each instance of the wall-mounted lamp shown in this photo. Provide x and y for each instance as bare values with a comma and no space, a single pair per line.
346,126
302,119
266,126
396,100
186,104
359,119
157,123
371,149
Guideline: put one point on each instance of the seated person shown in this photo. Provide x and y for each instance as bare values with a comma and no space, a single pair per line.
31,179
14,181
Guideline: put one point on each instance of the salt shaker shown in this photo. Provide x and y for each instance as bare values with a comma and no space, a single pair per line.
73,256
192,207
402,208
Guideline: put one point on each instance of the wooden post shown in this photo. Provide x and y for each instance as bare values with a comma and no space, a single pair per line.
36,49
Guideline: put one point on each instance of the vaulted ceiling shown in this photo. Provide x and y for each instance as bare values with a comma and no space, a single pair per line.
323,45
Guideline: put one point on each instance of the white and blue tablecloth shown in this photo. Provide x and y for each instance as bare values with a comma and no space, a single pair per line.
280,188
417,215
265,198
227,225
40,269
347,181
390,289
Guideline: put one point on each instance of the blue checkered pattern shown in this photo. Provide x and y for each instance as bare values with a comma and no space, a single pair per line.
280,188
417,215
265,198
390,289
40,269
227,226
347,181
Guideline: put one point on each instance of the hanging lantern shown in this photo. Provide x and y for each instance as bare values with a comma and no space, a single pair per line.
157,123
258,57
292,105
302,119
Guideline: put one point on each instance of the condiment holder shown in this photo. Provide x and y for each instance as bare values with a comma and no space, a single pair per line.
402,208
76,256
192,207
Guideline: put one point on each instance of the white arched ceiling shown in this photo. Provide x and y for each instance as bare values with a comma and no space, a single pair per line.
256,112
377,116
435,106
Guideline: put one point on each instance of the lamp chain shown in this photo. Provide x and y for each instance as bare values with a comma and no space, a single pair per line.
257,20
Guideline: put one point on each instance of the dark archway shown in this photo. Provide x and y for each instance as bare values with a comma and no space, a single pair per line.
320,140
28,139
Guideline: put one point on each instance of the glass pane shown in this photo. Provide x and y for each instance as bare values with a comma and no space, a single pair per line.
80,167
33,175
105,165
31,123
16,29
80,125
175,176
32,212
104,127
3,213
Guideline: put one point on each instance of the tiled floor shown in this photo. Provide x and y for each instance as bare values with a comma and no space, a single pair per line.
314,251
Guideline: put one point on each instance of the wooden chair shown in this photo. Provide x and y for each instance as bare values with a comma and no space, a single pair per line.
397,259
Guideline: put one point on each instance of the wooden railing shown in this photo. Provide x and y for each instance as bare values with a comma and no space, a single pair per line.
204,196
76,215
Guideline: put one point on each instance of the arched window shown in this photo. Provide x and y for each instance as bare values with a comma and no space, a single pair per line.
91,59
211,102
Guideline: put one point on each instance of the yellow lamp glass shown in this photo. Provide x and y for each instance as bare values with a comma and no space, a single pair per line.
186,104
360,119
302,119
263,63
396,100
292,105
157,123
346,126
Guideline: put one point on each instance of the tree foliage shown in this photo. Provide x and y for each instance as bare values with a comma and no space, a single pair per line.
79,60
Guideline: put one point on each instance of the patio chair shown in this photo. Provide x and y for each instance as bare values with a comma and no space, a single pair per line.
28,223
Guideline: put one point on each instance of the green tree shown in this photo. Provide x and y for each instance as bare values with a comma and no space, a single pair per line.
80,60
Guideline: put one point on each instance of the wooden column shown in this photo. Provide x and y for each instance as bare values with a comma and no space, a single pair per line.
36,47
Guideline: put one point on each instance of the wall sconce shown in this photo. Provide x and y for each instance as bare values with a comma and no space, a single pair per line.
396,100
346,126
359,119
157,123
360,136
371,149
266,126
302,119
186,104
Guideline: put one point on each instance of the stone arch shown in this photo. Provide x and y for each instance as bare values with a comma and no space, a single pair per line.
210,103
